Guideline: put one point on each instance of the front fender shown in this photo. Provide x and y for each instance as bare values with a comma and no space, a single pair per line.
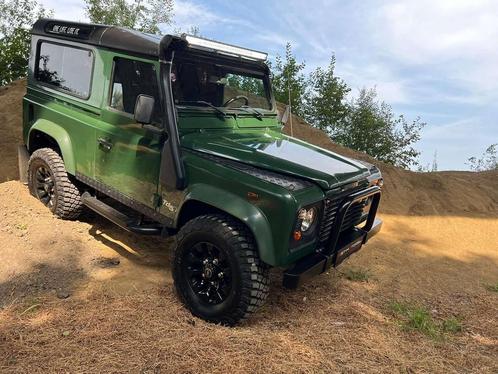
62,138
241,209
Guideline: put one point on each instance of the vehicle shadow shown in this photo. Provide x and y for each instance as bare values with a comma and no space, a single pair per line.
148,251
44,278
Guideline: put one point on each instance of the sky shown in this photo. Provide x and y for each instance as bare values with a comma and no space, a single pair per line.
433,59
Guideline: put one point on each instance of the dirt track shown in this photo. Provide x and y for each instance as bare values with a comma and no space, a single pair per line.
121,313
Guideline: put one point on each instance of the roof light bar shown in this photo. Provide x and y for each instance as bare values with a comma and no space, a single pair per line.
202,43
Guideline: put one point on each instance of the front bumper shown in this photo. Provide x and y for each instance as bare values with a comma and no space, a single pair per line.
340,245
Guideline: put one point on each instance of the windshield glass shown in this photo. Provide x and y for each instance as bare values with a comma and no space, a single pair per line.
203,83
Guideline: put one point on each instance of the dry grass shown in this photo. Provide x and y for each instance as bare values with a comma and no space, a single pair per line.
127,317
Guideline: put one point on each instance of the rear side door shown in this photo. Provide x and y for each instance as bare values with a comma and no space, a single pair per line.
127,156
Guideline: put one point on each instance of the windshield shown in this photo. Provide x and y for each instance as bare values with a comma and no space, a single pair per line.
202,84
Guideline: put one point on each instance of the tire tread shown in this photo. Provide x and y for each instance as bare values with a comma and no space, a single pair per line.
254,273
68,204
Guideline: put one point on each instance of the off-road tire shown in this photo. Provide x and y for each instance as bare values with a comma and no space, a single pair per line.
250,283
67,198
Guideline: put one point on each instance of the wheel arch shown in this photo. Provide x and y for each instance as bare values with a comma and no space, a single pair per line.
51,135
205,199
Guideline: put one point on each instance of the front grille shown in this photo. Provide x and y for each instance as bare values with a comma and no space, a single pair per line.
351,219
353,216
328,218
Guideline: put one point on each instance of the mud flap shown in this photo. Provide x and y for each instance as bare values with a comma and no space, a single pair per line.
23,158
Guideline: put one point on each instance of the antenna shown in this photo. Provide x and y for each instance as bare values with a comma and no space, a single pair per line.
290,104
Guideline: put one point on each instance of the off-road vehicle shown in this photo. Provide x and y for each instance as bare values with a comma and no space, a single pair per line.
180,135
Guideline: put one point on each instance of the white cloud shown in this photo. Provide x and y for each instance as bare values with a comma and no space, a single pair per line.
454,130
389,87
188,14
430,32
275,39
456,38
73,10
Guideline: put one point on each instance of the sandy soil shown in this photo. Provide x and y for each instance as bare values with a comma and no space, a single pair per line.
85,296
10,130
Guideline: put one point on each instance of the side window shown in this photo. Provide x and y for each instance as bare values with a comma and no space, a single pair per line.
67,68
132,78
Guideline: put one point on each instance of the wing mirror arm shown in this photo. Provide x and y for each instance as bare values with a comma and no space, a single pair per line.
153,129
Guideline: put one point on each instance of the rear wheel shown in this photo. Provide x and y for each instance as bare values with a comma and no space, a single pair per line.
217,271
48,182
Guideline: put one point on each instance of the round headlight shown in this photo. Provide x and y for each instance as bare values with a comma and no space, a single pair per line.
307,218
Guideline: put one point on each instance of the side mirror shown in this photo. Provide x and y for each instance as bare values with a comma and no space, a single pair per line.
284,118
144,108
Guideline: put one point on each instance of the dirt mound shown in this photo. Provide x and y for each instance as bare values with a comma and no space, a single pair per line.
405,192
10,128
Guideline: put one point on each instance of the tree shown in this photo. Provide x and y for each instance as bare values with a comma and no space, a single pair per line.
487,161
141,15
371,126
17,18
191,30
287,75
325,98
434,162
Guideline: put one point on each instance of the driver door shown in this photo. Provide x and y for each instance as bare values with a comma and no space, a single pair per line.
127,156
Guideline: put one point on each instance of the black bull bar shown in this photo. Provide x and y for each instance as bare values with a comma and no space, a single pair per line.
339,245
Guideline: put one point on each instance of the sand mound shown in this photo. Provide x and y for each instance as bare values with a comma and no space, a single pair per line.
407,192
10,128
439,193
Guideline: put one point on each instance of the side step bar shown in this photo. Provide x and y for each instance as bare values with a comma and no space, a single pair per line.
118,218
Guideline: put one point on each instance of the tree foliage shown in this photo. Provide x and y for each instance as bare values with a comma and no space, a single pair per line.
364,123
487,161
141,15
371,126
17,18
325,99
288,76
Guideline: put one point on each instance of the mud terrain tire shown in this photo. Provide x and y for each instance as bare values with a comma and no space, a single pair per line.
48,181
216,249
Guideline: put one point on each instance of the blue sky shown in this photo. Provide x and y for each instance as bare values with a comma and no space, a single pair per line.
437,59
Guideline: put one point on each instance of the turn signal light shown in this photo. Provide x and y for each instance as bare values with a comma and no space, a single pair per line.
297,235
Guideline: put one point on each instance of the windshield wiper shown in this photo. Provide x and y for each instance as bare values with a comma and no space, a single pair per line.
254,111
205,103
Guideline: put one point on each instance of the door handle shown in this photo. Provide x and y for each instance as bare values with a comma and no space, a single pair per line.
105,144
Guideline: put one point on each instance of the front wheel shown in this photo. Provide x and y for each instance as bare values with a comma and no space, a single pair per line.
217,271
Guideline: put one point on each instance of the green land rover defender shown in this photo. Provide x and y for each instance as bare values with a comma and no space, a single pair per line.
180,135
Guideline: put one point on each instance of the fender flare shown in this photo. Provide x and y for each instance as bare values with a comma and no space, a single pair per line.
239,208
60,135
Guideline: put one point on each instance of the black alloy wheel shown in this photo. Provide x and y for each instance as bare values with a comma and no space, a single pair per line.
45,186
217,270
49,182
208,273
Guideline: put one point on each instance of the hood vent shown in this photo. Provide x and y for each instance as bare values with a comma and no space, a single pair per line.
288,182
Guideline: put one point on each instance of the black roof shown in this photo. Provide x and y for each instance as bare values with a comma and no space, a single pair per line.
102,35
